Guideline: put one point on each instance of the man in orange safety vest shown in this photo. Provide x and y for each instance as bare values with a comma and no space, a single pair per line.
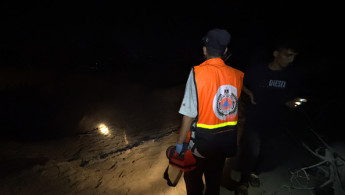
210,114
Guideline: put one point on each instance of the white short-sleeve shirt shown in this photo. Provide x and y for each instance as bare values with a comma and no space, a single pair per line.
189,106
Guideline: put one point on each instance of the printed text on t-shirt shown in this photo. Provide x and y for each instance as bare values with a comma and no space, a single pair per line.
277,83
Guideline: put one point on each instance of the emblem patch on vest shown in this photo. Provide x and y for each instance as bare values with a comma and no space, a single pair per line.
225,104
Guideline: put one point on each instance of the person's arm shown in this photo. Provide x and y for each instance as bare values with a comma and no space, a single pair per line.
189,111
249,93
185,128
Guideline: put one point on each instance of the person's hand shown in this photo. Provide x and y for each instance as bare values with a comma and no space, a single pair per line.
251,97
249,93
179,148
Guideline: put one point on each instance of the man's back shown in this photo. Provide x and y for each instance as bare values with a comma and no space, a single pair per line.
219,85
210,114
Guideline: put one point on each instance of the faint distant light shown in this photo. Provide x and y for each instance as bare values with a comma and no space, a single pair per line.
103,129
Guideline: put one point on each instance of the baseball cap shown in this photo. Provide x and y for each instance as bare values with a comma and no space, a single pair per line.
217,39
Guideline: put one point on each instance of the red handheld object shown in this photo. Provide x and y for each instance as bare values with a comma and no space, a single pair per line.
184,162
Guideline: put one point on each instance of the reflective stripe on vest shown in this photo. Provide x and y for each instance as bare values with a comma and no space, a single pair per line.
230,123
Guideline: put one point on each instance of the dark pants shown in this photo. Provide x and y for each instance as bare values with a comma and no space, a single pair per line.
261,148
212,169
249,153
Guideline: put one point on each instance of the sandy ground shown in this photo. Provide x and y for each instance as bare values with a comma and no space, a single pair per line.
55,169
67,166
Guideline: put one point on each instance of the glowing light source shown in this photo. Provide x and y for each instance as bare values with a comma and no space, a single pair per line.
302,100
103,129
299,101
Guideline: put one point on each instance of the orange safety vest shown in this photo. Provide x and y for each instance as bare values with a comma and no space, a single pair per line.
218,90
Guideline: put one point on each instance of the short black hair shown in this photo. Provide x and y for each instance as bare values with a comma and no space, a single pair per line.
287,44
286,41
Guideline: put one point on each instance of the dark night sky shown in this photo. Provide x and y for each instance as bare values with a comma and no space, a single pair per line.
160,36
57,33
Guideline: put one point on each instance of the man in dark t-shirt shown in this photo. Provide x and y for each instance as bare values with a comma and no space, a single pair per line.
271,87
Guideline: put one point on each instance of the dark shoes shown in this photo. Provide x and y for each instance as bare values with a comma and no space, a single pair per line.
254,180
242,188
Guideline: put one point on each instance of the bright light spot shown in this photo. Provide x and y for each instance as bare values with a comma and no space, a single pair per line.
103,129
298,103
302,100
